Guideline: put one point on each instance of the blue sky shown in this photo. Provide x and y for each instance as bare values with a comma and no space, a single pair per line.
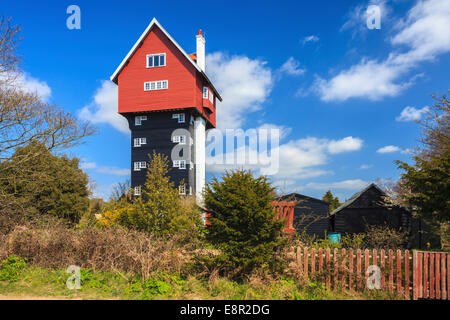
345,96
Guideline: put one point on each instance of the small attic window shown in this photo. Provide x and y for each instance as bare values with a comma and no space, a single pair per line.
156,60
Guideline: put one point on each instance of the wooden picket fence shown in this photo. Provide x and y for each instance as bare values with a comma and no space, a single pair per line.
431,275
349,269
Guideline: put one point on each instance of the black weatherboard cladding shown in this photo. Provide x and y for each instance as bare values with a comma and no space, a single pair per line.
157,130
310,214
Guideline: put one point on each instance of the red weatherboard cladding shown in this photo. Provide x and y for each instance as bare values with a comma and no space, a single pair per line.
185,82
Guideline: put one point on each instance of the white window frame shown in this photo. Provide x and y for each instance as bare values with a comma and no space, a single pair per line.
182,190
180,116
137,190
205,92
211,96
179,139
156,85
138,165
180,164
153,55
139,142
138,120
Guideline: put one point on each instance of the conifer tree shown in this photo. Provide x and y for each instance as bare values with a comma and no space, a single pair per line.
241,220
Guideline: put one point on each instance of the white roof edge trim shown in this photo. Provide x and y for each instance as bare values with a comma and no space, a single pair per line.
113,77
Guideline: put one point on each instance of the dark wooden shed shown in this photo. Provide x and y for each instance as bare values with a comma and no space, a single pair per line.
310,214
367,208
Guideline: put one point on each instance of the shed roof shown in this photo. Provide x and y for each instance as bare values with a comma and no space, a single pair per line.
354,197
298,195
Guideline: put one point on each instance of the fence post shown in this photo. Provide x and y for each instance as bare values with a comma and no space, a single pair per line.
420,277
415,273
432,276
366,265
383,269
444,277
399,271
438,276
448,275
350,268
358,269
299,262
313,262
320,260
305,262
336,268
391,271
328,269
407,296
343,269
426,283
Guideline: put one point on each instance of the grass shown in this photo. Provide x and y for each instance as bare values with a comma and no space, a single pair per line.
37,282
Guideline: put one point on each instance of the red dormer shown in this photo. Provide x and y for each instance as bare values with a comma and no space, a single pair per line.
157,74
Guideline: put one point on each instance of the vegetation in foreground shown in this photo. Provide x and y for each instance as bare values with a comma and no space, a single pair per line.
18,280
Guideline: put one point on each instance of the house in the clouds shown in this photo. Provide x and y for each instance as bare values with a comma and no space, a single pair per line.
169,102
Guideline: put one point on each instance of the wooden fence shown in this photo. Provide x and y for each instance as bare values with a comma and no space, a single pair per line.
349,269
284,211
431,275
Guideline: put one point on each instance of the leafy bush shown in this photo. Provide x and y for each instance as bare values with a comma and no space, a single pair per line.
12,268
241,222
384,237
37,182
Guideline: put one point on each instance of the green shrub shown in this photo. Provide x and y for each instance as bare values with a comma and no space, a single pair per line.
154,286
241,222
12,268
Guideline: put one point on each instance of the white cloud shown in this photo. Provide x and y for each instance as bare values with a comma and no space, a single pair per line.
425,35
104,108
311,38
412,114
344,145
284,131
388,149
114,171
355,184
244,85
34,85
365,166
368,79
302,158
292,67
27,83
357,17
86,165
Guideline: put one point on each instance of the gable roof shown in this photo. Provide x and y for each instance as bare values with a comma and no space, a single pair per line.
354,197
298,195
153,23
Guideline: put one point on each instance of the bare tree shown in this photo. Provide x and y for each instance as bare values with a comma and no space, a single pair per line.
24,117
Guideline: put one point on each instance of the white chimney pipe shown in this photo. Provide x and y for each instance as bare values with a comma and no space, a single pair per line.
201,51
